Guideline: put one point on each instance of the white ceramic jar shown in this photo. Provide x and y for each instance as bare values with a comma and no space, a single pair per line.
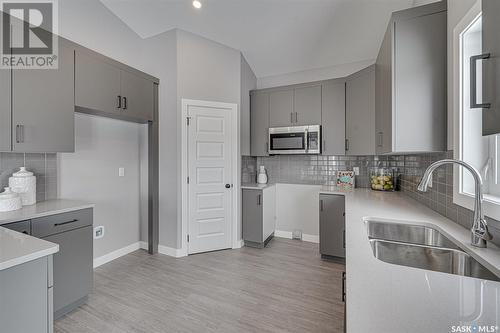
23,182
9,201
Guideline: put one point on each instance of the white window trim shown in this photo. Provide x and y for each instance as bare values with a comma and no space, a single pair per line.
491,205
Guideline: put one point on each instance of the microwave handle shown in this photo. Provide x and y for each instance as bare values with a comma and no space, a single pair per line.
306,133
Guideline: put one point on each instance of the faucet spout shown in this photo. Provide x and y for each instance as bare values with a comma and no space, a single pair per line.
480,234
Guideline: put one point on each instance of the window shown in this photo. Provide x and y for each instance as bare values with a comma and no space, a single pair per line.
480,151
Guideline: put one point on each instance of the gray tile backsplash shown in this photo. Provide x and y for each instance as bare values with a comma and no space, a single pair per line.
43,165
321,170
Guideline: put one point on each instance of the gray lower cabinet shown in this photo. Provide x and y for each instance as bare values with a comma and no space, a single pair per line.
281,111
42,108
259,123
333,117
73,264
307,105
26,297
360,113
332,225
491,66
258,216
411,99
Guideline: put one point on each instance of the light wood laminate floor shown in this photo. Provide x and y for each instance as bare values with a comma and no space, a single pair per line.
285,287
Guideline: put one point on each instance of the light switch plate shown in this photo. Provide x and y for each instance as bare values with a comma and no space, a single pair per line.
121,172
356,170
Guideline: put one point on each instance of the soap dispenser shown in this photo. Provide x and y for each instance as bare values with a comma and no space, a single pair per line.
262,177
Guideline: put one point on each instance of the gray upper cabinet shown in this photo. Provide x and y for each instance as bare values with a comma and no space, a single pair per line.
491,66
259,123
97,84
307,105
5,111
43,106
333,117
104,87
360,112
137,95
411,87
281,111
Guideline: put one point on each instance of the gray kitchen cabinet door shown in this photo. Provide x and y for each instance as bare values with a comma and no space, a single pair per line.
43,107
491,66
419,117
259,123
97,84
383,96
333,118
24,298
332,225
307,105
281,111
73,267
360,112
252,215
5,111
137,97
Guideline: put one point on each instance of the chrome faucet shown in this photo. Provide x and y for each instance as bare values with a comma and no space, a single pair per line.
480,234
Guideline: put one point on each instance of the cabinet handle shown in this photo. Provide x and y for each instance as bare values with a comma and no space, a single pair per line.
321,205
124,103
323,149
19,133
343,238
296,117
343,286
380,139
346,144
259,200
119,102
473,76
64,223
291,117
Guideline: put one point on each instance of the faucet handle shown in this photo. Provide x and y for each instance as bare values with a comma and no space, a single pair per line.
482,230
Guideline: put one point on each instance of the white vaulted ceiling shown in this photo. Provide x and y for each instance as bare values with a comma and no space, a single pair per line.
275,36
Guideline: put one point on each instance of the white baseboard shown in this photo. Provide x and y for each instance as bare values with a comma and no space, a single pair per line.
116,254
288,234
238,244
168,251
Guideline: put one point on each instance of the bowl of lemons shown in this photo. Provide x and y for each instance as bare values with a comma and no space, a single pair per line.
382,180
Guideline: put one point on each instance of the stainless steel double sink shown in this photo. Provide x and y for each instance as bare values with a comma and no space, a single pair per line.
422,247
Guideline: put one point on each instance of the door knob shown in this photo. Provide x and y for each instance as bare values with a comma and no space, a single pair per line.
228,186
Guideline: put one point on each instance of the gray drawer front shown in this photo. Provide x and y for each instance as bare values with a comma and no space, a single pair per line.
23,227
54,224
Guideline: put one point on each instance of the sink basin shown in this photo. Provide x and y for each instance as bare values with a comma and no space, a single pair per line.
408,233
437,259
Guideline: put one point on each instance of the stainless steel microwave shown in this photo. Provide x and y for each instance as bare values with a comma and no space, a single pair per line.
295,140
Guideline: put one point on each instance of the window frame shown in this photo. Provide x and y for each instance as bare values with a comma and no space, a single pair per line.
491,204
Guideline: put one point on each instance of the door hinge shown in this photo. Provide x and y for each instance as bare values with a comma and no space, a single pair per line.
188,120
188,238
188,180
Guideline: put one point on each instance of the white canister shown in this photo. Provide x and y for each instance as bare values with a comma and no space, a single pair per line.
24,183
262,177
9,201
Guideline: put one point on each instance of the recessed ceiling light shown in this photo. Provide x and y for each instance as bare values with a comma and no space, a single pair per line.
197,4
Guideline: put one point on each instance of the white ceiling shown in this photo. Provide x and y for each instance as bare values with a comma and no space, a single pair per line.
275,36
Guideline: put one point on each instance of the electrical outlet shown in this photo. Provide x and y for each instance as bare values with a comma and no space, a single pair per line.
356,170
121,172
99,232
297,234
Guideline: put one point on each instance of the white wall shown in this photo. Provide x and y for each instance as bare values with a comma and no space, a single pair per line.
312,75
91,174
456,11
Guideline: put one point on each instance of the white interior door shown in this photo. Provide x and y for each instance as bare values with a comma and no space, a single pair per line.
210,178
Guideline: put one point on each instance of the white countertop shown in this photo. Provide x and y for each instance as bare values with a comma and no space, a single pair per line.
255,186
17,248
383,297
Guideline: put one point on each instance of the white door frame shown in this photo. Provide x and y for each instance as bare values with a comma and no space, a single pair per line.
235,166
